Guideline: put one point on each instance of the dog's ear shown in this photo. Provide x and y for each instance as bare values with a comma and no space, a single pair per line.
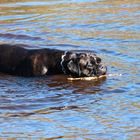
70,56
69,63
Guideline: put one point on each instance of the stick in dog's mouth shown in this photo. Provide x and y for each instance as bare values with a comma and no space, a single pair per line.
93,78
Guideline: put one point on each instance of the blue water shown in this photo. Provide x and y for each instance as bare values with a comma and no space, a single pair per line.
55,108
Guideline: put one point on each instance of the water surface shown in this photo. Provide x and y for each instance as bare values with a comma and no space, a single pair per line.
54,108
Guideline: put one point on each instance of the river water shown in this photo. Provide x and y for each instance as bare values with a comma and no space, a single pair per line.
53,107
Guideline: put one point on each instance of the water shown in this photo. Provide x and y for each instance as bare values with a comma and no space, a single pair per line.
55,108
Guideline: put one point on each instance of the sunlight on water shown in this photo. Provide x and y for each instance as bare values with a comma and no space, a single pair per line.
53,107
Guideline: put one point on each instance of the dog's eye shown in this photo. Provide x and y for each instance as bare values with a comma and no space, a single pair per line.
82,55
92,61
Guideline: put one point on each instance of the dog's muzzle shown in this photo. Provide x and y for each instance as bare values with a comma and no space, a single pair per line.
101,70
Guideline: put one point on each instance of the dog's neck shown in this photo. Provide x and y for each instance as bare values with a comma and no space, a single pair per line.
47,61
62,61
56,66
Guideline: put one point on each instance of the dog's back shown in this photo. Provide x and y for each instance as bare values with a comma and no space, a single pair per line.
18,60
10,57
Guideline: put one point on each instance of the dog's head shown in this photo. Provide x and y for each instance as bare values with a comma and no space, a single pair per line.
82,64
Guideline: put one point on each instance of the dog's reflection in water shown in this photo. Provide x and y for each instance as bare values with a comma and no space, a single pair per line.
60,82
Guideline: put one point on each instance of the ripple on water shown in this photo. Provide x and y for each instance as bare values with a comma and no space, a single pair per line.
53,107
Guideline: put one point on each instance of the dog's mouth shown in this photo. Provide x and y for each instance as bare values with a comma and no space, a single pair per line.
90,72
100,70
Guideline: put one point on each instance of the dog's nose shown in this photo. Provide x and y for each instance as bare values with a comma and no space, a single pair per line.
102,69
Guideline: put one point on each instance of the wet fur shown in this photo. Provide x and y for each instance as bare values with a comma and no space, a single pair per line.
17,60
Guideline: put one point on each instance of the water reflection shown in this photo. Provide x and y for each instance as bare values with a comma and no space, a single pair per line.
53,107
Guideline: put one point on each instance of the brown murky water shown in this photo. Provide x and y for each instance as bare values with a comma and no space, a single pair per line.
54,108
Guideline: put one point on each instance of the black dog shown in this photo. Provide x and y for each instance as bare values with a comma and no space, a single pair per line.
17,60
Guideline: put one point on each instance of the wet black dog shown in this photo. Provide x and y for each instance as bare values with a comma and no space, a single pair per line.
17,60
